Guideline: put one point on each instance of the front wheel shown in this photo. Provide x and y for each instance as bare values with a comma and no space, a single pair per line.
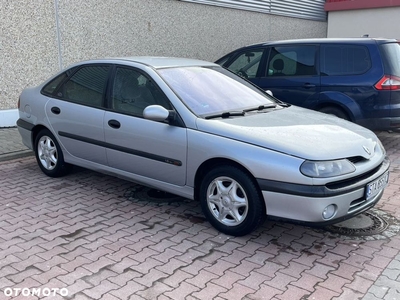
231,201
49,155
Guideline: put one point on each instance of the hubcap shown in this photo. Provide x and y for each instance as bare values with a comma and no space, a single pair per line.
47,153
227,201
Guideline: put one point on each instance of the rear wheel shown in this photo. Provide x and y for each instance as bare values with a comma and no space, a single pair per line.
49,155
330,110
231,201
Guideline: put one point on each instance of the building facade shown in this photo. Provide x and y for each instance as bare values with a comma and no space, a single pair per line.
355,18
40,37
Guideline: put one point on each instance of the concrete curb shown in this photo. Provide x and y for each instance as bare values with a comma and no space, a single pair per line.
15,155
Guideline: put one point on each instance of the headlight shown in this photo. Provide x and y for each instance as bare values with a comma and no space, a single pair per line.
324,169
381,146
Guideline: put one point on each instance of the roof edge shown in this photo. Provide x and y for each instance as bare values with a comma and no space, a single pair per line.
338,5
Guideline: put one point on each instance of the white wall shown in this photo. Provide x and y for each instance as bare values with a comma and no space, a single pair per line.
377,22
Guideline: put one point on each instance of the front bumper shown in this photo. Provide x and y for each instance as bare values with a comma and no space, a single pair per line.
306,203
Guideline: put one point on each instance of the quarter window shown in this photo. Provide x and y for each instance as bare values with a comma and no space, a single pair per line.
292,61
86,86
53,84
344,60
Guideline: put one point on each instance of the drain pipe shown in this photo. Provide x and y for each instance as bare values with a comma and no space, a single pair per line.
56,12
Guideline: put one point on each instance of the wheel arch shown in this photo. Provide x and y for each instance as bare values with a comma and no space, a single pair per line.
35,132
216,162
340,101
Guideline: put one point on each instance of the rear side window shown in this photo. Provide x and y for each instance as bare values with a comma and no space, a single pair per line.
292,61
391,58
344,60
86,86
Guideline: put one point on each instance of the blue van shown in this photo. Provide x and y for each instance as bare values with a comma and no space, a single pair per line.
357,79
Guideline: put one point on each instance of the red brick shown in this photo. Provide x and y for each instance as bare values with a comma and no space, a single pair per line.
294,292
176,278
72,277
182,291
267,291
334,283
123,278
131,288
99,264
99,290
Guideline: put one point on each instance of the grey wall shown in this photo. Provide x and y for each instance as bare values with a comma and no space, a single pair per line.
377,22
37,37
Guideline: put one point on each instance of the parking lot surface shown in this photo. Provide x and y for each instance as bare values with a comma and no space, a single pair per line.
92,236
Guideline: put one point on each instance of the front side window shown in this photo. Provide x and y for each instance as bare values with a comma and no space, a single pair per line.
247,63
292,61
86,86
339,60
132,92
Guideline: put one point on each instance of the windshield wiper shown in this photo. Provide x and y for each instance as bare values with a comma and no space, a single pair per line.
261,107
226,114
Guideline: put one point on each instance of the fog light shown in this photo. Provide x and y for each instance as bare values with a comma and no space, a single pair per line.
329,211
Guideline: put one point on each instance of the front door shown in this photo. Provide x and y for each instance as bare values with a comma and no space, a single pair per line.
144,148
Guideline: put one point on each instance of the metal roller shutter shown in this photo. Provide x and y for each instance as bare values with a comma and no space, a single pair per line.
305,9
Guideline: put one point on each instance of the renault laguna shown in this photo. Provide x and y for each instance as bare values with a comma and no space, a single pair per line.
194,129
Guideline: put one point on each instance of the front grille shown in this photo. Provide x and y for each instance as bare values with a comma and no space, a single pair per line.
354,205
349,182
356,159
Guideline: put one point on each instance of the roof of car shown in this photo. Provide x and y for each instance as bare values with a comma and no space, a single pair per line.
360,40
155,61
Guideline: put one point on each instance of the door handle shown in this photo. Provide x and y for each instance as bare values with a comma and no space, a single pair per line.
309,85
55,110
114,124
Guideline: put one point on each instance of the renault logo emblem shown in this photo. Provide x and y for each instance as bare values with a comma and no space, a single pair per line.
367,150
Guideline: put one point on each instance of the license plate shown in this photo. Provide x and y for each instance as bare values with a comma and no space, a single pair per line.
374,187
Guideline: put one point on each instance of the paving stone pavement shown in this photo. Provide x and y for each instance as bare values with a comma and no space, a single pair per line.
99,237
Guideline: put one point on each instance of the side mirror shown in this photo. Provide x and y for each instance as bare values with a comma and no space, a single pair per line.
269,93
157,113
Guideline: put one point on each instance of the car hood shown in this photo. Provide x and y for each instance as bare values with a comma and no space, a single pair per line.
298,132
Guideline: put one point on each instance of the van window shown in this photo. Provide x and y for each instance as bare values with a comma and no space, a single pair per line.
247,63
344,60
292,61
391,58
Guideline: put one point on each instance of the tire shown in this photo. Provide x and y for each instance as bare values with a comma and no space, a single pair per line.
49,155
231,201
330,110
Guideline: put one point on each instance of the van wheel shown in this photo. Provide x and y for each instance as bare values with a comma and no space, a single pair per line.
330,110
231,201
49,155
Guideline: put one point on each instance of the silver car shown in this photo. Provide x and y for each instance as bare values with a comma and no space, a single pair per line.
194,129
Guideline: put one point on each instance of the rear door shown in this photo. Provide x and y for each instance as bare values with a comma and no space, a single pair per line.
291,74
76,114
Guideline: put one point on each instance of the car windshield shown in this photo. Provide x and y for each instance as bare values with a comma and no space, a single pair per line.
207,91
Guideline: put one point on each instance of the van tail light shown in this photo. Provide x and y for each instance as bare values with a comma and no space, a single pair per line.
19,103
388,82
